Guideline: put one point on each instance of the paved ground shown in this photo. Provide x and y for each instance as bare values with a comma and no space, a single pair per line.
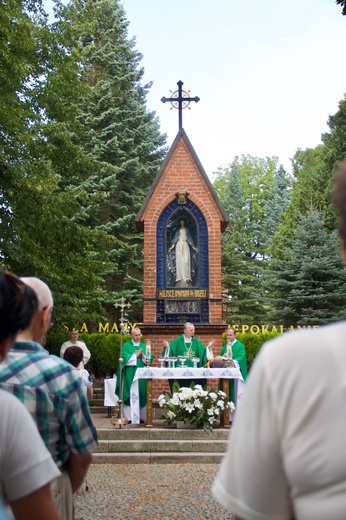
148,491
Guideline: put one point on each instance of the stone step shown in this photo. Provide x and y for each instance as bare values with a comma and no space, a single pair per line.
98,409
170,446
160,434
96,401
160,445
158,458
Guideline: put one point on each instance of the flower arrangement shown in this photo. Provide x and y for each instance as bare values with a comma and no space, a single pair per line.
200,408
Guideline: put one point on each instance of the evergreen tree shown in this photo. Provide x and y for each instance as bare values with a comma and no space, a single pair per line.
120,135
38,235
254,193
308,287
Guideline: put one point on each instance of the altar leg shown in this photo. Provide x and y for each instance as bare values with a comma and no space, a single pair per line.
225,416
149,403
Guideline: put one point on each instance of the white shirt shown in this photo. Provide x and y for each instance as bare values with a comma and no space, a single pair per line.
286,456
82,345
25,463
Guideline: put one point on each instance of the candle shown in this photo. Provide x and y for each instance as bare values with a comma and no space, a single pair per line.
229,350
148,349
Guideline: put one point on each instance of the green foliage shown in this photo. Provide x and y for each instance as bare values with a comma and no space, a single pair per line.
78,152
343,4
252,342
113,127
308,287
254,193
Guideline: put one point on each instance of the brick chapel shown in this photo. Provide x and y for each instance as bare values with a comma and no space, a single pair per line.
182,195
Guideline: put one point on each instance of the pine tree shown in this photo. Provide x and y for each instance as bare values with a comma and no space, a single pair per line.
308,287
122,138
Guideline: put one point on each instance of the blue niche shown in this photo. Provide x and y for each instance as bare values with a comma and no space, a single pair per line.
197,232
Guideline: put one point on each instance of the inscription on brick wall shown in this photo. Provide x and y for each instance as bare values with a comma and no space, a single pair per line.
182,293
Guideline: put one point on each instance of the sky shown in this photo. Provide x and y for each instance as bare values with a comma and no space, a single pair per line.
268,72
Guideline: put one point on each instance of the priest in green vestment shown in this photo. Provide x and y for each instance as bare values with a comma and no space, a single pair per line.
134,355
238,354
188,345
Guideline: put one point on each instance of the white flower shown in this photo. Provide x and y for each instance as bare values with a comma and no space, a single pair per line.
171,414
198,404
213,395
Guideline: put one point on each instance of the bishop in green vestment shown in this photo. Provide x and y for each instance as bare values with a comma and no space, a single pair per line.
188,345
133,354
238,354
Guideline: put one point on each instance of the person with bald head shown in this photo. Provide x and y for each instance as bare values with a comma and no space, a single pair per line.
52,391
191,347
134,355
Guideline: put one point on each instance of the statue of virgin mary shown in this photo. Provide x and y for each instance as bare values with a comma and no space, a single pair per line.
182,255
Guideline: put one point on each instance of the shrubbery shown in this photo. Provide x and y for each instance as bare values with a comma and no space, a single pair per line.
253,343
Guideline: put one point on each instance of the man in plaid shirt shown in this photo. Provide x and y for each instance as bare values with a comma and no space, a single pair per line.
53,393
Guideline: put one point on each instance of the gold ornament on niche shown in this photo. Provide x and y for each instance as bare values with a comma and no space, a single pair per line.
182,195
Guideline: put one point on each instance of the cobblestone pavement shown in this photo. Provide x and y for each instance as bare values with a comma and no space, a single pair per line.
149,491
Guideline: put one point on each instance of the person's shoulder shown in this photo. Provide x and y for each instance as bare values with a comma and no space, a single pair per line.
66,344
10,403
178,338
80,344
60,367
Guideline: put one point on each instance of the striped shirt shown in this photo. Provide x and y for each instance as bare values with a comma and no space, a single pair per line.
52,391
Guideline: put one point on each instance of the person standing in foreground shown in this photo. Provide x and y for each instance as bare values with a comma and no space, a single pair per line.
74,342
285,458
26,466
52,391
133,354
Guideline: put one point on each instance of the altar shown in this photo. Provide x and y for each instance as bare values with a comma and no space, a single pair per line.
150,373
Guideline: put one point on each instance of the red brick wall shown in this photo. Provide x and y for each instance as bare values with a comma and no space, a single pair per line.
182,171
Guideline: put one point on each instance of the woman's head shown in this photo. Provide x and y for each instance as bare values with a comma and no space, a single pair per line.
181,222
18,304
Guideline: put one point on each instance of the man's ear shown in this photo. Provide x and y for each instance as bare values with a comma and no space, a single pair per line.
46,318
5,345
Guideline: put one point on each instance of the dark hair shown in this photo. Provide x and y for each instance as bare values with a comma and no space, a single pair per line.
74,355
18,304
338,197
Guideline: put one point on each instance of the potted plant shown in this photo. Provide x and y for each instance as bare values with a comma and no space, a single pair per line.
195,406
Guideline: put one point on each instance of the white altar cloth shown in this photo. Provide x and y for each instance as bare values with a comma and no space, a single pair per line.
182,373
110,398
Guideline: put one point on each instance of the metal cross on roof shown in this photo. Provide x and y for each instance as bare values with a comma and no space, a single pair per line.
180,99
